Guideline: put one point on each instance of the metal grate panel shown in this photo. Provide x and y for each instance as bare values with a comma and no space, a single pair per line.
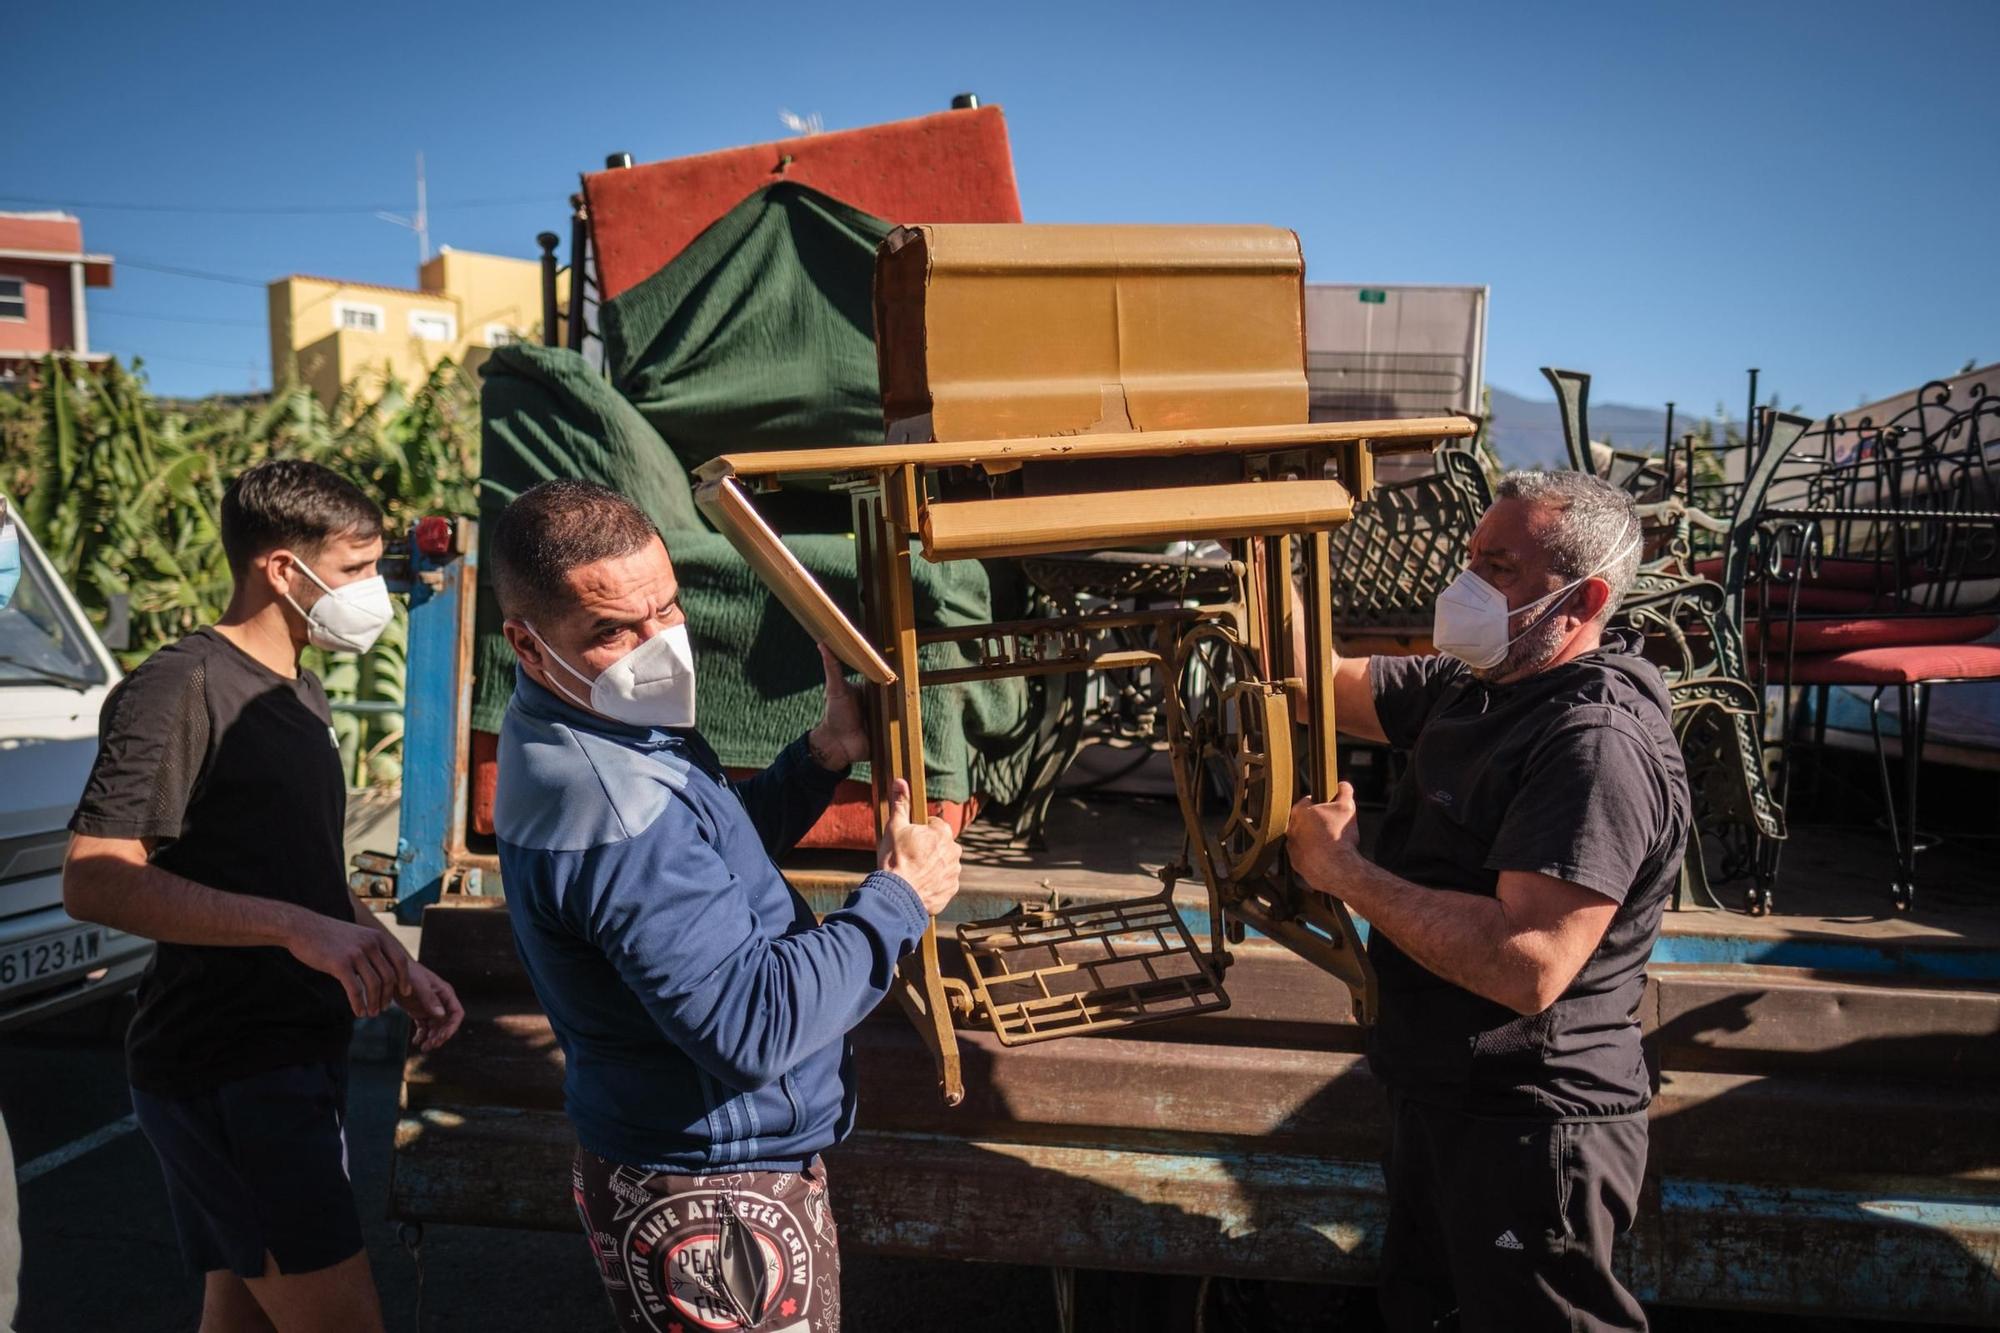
1062,972
1407,541
1347,386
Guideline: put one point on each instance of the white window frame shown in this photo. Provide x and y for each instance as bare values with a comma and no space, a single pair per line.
502,335
341,309
450,322
21,318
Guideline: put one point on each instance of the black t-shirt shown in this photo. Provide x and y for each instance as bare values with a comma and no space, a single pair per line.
235,771
1572,773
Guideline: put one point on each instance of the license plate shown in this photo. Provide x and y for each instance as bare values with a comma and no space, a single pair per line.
49,958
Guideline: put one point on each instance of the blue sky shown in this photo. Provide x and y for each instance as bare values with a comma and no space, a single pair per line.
1660,194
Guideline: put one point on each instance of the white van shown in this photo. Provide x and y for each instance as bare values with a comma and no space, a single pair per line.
54,675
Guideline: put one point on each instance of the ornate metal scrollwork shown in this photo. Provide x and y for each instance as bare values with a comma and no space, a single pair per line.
1717,718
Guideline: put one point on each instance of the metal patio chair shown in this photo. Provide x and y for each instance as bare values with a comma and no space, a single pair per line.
1904,527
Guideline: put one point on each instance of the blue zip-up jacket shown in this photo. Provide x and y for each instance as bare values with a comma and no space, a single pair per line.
702,1010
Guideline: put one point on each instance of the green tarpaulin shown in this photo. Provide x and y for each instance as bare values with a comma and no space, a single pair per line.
760,335
730,347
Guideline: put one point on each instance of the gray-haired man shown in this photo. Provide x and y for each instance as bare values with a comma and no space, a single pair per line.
1514,896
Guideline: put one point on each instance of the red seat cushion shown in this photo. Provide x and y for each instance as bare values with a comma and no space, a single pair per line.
485,780
1815,599
1900,666
1835,572
849,820
1854,632
848,823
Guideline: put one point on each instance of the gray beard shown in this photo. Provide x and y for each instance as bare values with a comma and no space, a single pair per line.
1527,655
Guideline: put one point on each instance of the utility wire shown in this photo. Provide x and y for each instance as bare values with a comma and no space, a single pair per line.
261,211
513,201
275,210
202,274
96,310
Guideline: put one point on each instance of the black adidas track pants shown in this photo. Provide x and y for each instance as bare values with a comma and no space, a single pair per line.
1506,1223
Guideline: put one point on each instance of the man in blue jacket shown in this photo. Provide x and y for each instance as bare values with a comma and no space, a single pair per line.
702,1010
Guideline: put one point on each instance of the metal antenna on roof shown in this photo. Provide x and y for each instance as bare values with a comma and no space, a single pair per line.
420,221
806,124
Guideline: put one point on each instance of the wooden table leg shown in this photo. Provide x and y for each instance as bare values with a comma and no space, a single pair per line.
885,520
1329,914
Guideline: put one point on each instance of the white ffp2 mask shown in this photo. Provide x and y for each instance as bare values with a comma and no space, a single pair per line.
651,686
1470,621
349,618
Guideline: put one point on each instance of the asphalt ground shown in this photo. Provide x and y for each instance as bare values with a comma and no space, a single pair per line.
99,1250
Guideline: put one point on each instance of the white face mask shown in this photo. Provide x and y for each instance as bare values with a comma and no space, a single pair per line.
1470,622
349,618
651,686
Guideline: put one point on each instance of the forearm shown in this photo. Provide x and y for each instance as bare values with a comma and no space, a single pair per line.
1353,696
815,987
768,1004
367,916
1466,938
142,899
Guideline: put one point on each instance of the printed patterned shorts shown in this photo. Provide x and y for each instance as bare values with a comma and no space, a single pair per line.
746,1250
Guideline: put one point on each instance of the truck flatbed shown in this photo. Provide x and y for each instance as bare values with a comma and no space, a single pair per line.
1823,1132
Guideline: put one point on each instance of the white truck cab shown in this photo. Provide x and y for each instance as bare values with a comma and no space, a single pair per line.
54,675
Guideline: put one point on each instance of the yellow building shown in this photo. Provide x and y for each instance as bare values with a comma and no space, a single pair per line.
329,333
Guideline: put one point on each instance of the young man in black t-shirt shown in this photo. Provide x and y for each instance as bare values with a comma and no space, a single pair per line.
213,822
1514,897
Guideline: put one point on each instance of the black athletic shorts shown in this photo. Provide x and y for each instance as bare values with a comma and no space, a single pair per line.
258,1166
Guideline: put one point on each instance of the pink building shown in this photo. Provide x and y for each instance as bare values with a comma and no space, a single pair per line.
43,273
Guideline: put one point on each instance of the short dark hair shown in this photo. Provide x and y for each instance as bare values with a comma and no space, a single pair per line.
553,528
290,502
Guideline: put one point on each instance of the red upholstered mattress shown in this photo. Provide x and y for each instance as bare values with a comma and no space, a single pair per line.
849,822
954,166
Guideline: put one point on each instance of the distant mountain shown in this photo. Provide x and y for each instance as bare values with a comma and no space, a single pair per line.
1527,433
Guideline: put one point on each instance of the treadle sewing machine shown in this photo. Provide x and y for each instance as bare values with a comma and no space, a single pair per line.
1073,388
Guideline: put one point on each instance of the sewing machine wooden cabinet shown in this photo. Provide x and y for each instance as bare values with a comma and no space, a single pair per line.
1076,388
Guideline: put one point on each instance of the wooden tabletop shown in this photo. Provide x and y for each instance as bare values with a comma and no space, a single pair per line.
1002,455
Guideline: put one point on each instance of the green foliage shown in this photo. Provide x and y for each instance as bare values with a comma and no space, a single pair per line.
122,490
